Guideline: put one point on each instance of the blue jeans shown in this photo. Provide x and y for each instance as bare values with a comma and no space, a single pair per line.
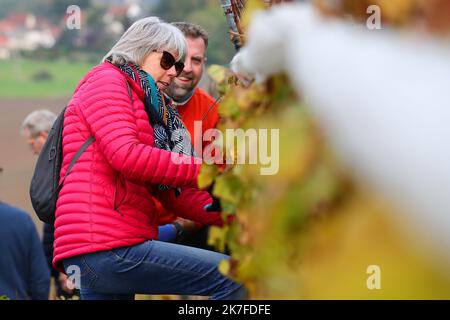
153,267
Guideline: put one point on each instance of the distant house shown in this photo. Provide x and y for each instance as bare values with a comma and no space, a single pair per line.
25,31
114,18
4,51
116,15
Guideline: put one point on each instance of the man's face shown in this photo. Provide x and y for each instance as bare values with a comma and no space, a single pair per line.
35,142
192,72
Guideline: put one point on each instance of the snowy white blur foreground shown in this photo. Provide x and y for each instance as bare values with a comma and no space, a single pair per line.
382,97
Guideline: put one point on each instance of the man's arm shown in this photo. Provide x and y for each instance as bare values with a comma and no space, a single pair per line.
38,273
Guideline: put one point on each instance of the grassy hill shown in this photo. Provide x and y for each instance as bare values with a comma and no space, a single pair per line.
40,79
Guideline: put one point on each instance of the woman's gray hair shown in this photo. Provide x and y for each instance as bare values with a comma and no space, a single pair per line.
39,121
143,37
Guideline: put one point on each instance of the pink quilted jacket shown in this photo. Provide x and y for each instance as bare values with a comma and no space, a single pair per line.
106,200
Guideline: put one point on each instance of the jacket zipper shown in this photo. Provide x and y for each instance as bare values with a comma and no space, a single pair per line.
116,207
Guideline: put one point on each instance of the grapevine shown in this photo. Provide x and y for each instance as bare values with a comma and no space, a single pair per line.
311,230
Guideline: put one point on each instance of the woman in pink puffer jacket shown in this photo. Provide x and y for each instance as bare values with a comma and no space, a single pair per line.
106,223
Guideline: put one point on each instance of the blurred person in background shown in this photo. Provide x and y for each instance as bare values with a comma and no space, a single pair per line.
35,128
24,273
193,104
106,220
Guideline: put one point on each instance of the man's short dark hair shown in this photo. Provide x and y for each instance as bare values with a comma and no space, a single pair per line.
191,30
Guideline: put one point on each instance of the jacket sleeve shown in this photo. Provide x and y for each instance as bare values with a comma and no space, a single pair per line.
190,204
108,111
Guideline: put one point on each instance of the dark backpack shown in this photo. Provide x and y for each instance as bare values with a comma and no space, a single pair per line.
45,184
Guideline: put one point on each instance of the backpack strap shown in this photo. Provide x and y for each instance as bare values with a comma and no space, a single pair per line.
209,109
129,92
80,151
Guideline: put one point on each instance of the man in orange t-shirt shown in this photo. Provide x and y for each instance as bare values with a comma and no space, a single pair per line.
193,104
200,107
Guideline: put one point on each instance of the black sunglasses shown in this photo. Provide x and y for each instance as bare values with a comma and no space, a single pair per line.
168,61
